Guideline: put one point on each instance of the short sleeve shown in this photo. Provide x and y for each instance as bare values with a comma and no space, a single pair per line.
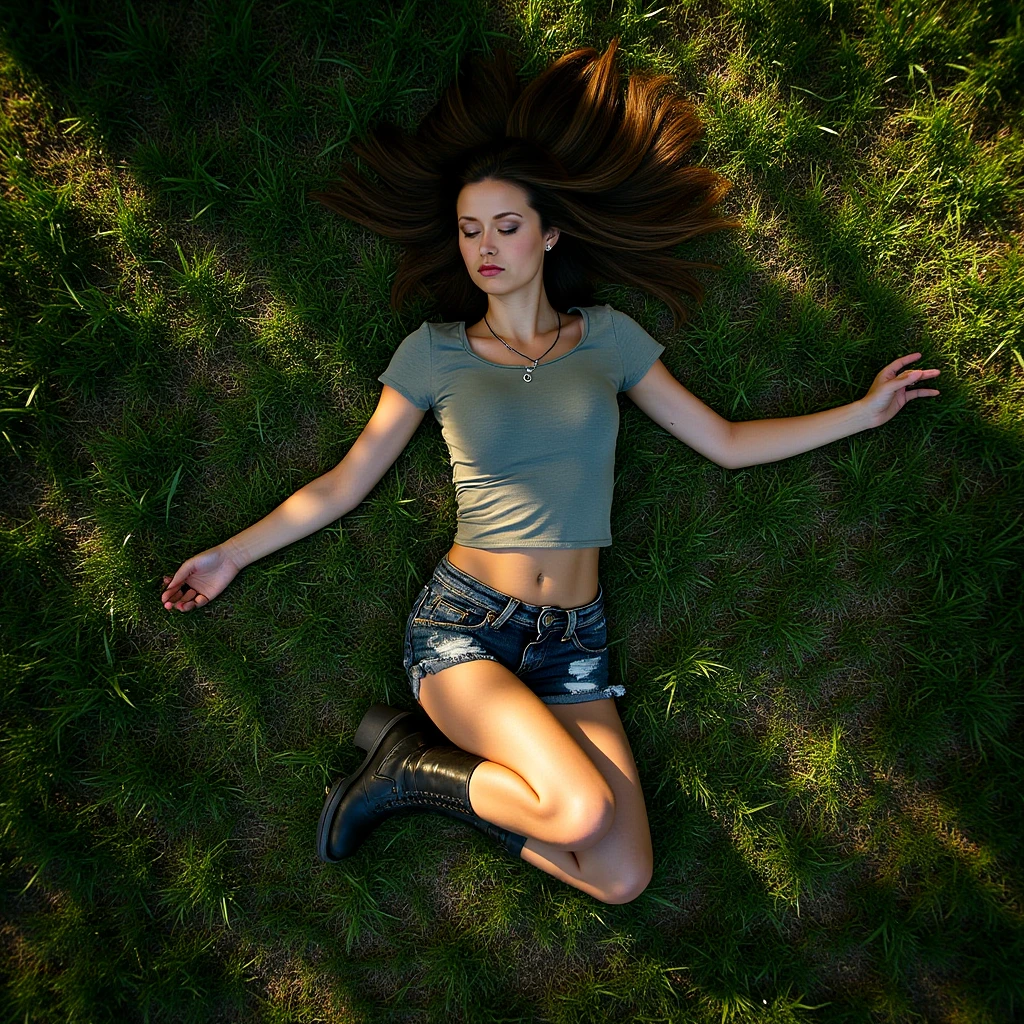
409,371
637,349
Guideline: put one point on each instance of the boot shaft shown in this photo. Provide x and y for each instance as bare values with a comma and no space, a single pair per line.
410,767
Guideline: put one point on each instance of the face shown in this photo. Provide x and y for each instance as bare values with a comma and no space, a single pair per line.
500,236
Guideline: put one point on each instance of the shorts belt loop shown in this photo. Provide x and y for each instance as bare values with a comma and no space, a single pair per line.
513,604
571,628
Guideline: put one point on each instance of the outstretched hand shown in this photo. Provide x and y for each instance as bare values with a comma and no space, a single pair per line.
888,393
198,581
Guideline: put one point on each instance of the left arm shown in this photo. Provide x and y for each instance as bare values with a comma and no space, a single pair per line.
750,443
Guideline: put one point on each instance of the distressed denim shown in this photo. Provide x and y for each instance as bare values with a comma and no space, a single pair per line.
559,653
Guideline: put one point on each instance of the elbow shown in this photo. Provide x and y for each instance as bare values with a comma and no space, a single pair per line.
731,459
726,455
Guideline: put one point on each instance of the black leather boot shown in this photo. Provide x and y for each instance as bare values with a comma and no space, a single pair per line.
410,767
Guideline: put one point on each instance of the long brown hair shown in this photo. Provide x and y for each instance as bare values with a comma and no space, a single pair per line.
608,170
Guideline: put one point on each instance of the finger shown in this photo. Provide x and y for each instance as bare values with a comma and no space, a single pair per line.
908,377
181,575
897,383
927,392
897,364
201,599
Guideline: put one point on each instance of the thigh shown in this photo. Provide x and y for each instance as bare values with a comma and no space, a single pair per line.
486,709
623,860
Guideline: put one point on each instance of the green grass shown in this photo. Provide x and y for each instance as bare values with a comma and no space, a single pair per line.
822,655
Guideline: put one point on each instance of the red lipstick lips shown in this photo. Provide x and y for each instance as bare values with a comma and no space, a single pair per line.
489,270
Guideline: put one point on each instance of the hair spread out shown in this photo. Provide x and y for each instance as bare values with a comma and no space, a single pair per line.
605,166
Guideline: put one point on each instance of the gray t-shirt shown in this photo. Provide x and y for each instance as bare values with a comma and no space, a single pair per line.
533,462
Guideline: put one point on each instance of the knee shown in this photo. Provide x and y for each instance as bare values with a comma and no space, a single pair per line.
629,883
586,817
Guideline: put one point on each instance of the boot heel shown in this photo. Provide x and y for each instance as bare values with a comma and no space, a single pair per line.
369,736
377,720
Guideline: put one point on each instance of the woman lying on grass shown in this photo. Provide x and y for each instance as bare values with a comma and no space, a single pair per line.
512,203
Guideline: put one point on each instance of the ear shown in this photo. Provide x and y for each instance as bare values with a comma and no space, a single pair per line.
551,238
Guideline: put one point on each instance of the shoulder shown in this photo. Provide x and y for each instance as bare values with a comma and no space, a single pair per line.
597,320
606,316
439,330
623,322
442,326
607,320
429,332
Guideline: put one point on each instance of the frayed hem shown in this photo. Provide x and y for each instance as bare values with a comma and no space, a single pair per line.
582,698
431,666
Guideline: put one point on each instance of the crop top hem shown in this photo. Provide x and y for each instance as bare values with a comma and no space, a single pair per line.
512,543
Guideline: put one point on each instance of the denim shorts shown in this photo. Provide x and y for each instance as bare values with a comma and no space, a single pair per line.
559,653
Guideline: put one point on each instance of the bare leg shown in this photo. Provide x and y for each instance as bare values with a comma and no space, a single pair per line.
554,773
537,780
619,867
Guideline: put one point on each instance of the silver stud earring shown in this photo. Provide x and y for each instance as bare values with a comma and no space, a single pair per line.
547,248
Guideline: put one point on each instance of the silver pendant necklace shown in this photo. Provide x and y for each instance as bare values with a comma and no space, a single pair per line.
528,376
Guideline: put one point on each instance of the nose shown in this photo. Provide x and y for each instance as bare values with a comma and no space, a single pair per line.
487,246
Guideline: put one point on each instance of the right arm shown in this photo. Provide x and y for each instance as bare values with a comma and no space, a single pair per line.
310,508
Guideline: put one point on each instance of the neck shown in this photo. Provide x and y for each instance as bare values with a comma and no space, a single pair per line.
524,314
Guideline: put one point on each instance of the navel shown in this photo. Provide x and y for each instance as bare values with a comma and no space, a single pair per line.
540,577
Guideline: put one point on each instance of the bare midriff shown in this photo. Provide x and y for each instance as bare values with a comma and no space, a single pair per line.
560,577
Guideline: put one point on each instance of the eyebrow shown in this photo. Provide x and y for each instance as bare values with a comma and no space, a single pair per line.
497,216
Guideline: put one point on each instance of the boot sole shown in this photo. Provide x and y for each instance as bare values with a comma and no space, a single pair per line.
369,736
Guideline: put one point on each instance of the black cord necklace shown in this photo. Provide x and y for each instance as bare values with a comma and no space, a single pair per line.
528,376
